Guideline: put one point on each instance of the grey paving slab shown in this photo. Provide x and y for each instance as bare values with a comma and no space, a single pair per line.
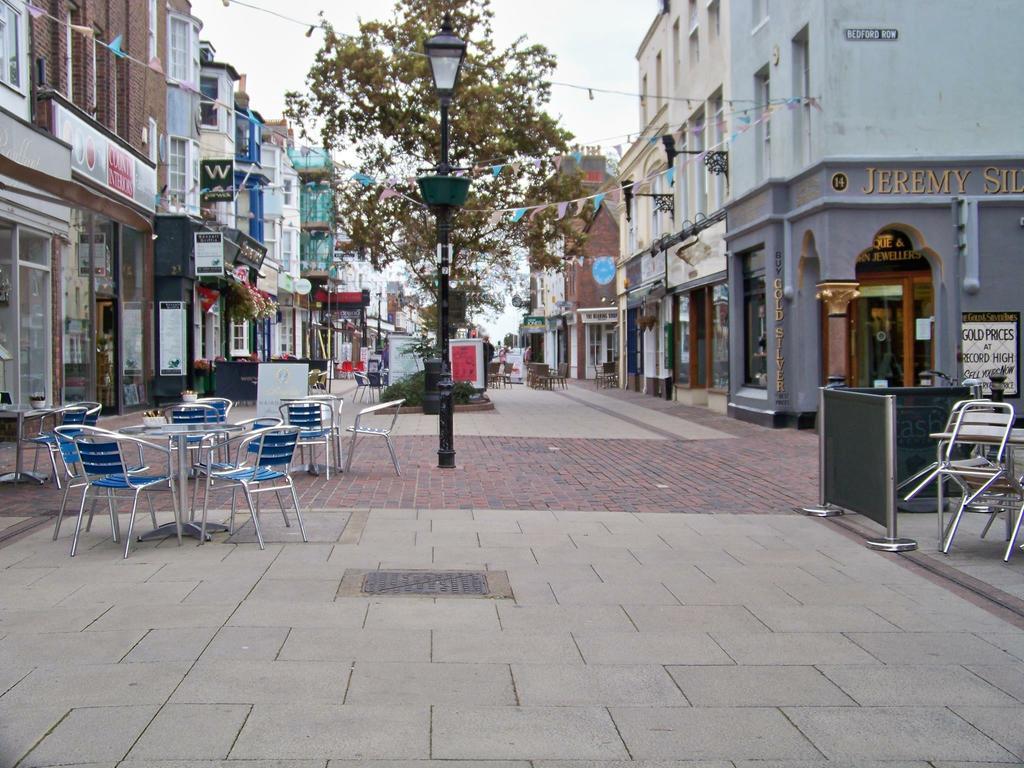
420,613
296,590
694,618
947,616
841,764
311,644
509,733
633,764
822,618
91,734
553,685
798,648
1001,724
56,619
1007,678
505,647
251,643
426,683
162,616
894,733
304,730
649,648
343,613
689,592
711,733
752,686
427,764
146,593
68,647
171,645
24,725
223,764
320,526
930,648
191,732
568,617
223,681
97,685
612,594
1011,642
915,685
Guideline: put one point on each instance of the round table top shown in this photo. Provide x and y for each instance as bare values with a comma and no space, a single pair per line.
174,430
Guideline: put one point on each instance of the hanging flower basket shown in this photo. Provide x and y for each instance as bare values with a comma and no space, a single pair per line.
648,321
247,303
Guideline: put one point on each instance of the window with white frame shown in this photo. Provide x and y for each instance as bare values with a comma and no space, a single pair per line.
184,50
694,48
677,56
762,94
759,13
211,333
152,33
656,189
714,20
288,238
286,332
183,172
209,111
631,228
10,51
700,197
239,338
802,89
177,170
289,192
270,241
716,131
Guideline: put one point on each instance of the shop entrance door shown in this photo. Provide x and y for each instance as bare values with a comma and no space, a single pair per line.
892,321
106,363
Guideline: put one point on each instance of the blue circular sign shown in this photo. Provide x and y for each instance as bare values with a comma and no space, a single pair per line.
603,270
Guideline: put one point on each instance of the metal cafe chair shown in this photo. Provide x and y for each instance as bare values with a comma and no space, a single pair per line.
270,451
359,429
314,428
362,385
987,475
102,457
71,415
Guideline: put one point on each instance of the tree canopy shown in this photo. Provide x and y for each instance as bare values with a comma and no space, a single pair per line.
373,99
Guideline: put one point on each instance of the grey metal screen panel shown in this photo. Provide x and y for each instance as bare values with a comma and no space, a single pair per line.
857,465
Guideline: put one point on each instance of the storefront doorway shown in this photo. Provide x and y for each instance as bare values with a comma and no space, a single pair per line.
892,321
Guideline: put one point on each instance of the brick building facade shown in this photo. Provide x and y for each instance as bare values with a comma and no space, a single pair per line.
591,320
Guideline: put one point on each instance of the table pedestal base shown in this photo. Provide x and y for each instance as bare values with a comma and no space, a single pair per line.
885,544
191,529
24,475
823,510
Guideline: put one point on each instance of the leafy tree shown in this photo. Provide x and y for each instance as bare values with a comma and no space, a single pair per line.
373,98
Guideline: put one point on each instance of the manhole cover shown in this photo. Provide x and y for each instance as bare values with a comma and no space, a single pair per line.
425,583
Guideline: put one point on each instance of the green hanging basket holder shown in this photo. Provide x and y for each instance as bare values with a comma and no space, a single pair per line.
444,190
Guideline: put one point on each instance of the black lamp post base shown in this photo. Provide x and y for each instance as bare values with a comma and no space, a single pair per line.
446,459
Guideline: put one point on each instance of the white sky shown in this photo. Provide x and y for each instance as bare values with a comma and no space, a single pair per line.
595,42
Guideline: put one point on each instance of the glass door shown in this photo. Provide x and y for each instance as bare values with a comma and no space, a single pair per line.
891,332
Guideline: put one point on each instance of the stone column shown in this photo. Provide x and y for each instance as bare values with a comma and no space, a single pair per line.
837,296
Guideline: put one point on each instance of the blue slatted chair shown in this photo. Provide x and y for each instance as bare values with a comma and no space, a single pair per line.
221,461
315,420
102,458
261,465
71,415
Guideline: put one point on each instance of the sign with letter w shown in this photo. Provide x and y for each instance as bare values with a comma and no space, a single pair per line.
216,180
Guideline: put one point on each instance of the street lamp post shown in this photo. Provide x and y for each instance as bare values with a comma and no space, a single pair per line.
443,193
380,344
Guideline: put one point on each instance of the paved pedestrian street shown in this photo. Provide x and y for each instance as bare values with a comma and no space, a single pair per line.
701,624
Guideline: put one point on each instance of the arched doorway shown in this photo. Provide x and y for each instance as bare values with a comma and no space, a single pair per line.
892,320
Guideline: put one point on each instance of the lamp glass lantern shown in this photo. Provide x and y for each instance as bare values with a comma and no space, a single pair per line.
446,53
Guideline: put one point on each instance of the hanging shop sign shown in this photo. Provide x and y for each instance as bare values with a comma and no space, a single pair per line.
216,181
207,298
990,343
209,251
247,250
303,286
603,270
172,338
532,321
104,161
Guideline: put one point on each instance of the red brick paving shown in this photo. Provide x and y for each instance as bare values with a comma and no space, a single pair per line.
758,470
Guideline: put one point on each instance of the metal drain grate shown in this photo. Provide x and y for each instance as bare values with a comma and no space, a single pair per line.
425,583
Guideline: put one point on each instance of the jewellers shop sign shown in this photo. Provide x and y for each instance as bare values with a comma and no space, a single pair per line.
103,161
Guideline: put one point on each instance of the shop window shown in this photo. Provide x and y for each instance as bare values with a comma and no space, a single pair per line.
10,51
720,338
683,318
211,333
133,319
755,330
286,333
8,312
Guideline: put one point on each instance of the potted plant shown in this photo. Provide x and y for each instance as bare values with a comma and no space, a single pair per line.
37,399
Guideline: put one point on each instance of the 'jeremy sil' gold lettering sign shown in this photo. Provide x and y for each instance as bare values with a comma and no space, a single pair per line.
949,181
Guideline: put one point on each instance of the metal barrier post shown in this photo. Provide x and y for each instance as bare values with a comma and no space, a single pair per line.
822,508
891,541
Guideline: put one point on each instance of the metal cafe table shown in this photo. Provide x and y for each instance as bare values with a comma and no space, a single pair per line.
181,433
21,413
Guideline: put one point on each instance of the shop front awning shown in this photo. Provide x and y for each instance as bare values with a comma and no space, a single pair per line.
652,291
